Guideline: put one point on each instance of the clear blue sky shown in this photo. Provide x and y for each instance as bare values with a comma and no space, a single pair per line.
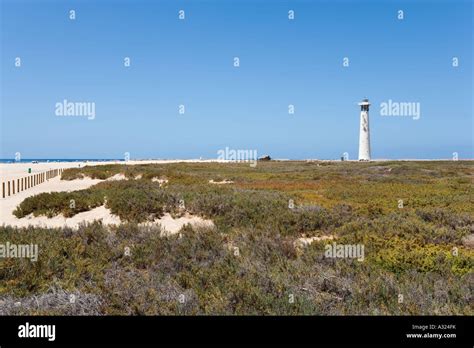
190,62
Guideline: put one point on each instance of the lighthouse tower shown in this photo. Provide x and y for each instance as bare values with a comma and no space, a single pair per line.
364,134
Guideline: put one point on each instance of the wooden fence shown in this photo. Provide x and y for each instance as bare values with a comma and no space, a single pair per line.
17,185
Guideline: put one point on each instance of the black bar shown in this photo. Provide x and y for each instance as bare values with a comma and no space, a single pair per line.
347,330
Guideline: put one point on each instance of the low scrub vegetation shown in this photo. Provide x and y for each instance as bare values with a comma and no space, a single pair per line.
411,218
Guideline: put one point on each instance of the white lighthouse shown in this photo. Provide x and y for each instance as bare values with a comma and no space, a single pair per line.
364,134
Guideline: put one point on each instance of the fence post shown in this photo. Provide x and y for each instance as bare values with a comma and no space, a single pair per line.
14,186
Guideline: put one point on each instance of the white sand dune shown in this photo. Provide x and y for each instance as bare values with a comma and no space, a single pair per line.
223,182
172,226
169,225
119,176
100,213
